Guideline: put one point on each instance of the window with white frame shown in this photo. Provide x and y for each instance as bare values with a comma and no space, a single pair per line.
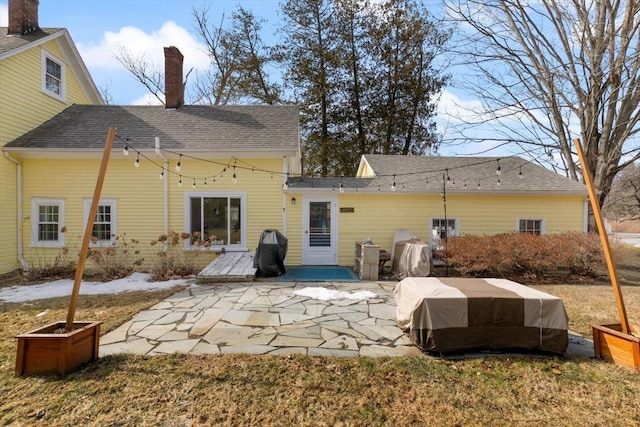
104,225
47,221
216,219
442,229
53,76
533,226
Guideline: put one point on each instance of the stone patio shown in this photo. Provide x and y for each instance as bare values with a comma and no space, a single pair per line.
268,318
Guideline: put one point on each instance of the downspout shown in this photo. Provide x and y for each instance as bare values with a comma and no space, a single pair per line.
165,168
285,168
23,262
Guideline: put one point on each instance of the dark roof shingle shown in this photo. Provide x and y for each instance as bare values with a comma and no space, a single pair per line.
9,42
189,128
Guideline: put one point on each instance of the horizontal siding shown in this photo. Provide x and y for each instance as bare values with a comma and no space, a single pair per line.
8,217
139,195
378,217
23,104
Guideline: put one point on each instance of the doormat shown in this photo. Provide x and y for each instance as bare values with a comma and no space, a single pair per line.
319,274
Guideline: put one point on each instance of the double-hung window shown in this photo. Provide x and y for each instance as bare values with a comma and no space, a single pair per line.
533,226
442,229
53,76
104,225
47,221
216,220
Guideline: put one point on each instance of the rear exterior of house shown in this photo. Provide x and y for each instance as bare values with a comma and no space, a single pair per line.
41,74
528,198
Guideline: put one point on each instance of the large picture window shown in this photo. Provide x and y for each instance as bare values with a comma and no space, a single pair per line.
47,219
216,220
104,225
53,75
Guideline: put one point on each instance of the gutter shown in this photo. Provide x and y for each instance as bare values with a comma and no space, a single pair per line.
165,165
23,262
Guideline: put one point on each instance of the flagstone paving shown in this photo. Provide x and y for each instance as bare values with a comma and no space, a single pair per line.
268,318
265,318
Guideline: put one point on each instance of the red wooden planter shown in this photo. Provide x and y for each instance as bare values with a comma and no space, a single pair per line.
43,351
611,344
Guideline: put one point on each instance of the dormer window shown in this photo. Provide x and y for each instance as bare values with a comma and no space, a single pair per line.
53,76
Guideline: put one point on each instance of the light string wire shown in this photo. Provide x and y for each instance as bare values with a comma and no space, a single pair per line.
236,163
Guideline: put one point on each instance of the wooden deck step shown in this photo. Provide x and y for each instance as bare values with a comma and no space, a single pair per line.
229,266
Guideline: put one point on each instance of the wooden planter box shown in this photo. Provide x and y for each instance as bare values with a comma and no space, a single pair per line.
611,344
43,351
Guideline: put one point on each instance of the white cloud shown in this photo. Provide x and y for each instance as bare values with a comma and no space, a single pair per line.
148,45
147,99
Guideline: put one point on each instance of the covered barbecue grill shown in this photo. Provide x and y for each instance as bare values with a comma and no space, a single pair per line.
269,257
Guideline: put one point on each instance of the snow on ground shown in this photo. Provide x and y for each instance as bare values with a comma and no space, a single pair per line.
324,294
63,288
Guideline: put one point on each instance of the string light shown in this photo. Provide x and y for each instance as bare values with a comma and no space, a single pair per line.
205,182
499,170
465,183
178,165
479,186
285,186
162,174
393,186
520,174
498,183
194,183
234,178
137,162
180,181
341,186
125,150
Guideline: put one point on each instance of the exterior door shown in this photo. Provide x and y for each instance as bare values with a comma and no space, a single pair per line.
320,231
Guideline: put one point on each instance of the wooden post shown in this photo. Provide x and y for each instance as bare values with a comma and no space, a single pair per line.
613,273
89,230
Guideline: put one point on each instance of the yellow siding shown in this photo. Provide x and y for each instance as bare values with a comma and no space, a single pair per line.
139,195
379,216
23,106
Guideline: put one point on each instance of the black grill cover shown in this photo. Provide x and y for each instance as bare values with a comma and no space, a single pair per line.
269,257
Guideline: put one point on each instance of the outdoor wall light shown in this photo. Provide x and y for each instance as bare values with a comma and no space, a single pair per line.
293,200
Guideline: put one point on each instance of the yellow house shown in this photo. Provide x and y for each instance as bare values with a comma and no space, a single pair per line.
41,74
431,197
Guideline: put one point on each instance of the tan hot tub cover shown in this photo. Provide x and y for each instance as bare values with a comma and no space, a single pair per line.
455,314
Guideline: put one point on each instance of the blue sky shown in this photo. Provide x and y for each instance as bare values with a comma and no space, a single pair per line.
100,28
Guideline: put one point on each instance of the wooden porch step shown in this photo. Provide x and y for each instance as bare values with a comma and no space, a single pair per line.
229,266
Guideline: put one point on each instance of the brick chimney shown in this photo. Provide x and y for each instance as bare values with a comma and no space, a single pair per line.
173,85
23,16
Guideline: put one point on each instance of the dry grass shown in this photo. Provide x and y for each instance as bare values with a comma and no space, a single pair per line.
312,391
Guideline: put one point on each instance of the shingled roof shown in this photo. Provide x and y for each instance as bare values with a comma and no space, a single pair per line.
10,42
196,128
425,174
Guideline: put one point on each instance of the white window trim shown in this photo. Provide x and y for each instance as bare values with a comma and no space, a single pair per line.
242,247
63,74
456,229
114,220
543,224
35,220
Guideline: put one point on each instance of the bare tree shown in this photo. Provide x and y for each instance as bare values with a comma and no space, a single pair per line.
143,70
623,201
550,71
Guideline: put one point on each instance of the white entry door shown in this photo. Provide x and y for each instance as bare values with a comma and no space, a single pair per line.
320,231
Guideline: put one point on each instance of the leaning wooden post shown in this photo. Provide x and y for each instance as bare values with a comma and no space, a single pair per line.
89,230
613,273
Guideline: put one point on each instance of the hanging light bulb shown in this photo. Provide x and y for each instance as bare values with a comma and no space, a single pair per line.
285,186
378,188
499,170
479,186
341,186
194,183
520,174
162,174
498,183
137,163
178,165
234,178
125,150
393,186
180,181
465,183
205,181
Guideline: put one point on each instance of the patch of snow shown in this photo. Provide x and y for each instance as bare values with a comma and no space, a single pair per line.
62,288
324,294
